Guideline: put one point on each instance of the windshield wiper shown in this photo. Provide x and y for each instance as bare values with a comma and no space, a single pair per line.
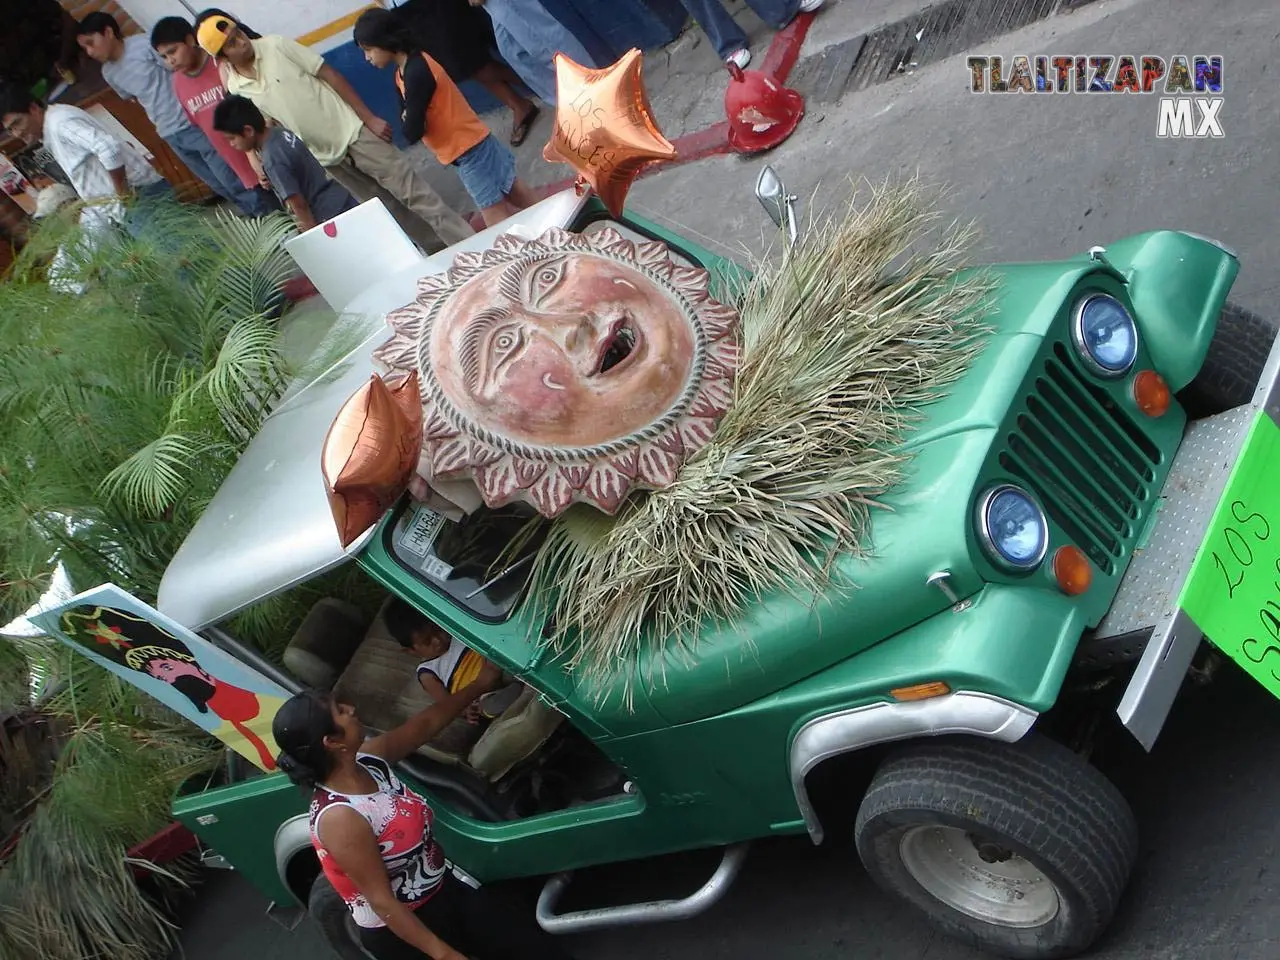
502,573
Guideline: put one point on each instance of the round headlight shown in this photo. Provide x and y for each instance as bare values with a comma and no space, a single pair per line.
1013,528
1105,335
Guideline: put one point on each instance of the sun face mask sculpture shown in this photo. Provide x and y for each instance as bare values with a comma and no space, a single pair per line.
571,368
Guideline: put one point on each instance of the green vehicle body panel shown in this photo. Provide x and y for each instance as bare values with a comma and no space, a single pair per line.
703,784
707,743
248,815
1178,285
792,637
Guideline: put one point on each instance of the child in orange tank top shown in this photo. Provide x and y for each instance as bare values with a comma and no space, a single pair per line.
435,112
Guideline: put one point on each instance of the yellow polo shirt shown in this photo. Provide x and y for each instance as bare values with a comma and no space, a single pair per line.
285,87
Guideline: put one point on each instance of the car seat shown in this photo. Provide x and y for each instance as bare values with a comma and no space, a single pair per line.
515,736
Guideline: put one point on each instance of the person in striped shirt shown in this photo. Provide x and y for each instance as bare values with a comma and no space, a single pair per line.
445,665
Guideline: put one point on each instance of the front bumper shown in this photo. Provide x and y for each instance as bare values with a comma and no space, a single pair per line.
1148,598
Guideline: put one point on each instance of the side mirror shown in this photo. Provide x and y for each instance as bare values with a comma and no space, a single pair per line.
779,204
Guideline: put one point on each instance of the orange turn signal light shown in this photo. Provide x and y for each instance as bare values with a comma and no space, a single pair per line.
1151,393
1072,570
921,691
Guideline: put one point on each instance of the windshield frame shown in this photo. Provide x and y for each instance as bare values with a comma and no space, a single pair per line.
492,612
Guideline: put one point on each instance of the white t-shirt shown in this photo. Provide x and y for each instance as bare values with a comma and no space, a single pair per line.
445,667
85,151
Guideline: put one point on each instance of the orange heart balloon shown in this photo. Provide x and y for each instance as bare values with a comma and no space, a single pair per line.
604,127
370,452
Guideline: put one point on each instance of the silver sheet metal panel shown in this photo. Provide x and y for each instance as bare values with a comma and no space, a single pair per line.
1149,591
1154,582
269,527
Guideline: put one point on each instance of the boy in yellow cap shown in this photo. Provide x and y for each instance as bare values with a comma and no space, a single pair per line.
296,88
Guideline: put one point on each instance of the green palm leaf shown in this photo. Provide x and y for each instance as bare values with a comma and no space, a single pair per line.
254,265
245,376
121,410
67,892
153,478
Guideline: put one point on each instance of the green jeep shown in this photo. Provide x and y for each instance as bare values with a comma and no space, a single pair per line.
1031,566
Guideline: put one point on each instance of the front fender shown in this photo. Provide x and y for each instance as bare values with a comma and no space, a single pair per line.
963,712
293,837
1003,651
1013,641
1177,283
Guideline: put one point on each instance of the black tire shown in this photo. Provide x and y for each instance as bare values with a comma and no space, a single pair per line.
327,909
1033,799
1233,364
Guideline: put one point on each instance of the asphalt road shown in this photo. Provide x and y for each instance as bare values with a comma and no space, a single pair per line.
1205,888
1046,178
1047,175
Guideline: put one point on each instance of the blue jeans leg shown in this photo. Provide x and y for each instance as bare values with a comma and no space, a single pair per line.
142,212
538,76
776,13
258,202
529,38
200,156
723,31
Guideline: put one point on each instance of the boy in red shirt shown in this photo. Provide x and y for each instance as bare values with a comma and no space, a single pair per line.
199,89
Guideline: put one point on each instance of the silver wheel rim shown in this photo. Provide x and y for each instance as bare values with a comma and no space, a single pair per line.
977,878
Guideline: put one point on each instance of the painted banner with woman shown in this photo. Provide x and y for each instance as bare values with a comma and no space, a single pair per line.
175,666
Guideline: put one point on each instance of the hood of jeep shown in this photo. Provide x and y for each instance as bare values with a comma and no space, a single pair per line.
924,527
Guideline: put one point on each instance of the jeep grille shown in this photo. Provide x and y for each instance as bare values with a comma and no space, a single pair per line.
1090,464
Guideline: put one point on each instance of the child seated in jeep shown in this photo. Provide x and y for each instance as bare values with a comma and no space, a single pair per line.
446,665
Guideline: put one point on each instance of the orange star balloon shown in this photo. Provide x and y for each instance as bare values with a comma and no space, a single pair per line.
604,127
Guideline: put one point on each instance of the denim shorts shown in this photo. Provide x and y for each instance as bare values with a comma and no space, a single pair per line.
488,171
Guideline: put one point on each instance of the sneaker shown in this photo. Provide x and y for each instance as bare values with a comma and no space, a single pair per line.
809,6
740,58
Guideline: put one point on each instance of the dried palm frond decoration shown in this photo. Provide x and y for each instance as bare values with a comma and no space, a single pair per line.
845,339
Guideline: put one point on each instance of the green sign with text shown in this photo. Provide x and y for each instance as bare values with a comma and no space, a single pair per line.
1233,592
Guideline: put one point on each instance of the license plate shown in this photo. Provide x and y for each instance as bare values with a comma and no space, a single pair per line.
421,531
1233,590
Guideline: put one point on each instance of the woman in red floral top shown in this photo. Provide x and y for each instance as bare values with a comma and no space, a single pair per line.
375,841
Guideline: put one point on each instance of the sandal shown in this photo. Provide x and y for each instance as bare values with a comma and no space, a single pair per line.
521,129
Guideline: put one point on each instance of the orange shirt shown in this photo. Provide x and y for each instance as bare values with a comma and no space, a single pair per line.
452,127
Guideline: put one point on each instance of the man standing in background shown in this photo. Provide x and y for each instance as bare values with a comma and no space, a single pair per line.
103,169
135,72
529,37
311,195
293,86
728,38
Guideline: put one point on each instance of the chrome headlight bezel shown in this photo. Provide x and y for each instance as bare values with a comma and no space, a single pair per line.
983,527
1086,355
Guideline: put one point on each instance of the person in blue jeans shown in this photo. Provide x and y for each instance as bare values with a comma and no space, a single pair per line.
135,72
728,38
528,38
